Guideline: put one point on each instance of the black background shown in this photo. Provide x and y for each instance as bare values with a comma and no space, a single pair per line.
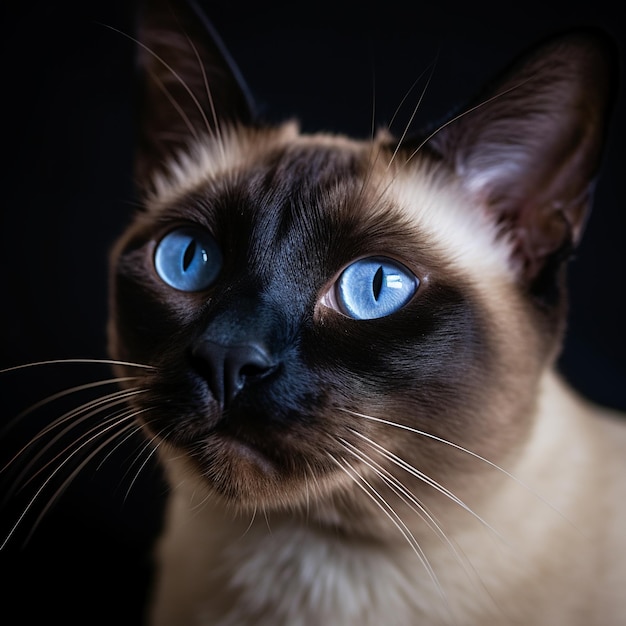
66,192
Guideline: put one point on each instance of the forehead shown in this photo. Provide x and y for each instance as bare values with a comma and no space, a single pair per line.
274,180
281,185
238,152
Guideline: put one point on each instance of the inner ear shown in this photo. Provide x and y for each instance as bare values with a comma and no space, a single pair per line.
189,87
528,149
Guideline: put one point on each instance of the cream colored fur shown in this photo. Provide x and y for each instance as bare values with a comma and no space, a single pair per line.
553,555
543,544
429,469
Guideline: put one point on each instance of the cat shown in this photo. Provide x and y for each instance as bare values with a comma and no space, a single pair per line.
345,351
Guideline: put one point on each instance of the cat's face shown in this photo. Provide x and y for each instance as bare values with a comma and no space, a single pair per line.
295,235
318,312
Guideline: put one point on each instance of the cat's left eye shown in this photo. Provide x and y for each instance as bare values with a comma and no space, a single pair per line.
188,259
372,287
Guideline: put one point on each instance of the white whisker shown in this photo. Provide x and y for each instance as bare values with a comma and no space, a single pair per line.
100,432
252,518
463,114
415,109
465,451
207,87
384,190
267,521
77,470
400,489
152,445
118,416
428,480
393,517
170,69
373,118
420,509
176,105
87,410
69,361
64,393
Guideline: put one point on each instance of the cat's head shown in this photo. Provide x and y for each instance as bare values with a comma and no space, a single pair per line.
309,302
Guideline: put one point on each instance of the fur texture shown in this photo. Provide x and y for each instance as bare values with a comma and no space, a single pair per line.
422,467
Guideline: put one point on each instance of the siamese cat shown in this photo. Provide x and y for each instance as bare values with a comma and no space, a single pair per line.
342,351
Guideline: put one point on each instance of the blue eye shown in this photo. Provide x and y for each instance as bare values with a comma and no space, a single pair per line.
374,287
188,259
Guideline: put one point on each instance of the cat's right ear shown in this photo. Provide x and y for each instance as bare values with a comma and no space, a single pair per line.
188,87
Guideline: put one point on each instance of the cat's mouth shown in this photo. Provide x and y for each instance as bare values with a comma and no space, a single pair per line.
244,472
242,450
255,466
242,462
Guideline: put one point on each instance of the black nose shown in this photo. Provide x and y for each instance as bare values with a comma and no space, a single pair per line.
228,368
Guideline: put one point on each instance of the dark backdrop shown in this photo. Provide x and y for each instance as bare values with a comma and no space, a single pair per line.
66,192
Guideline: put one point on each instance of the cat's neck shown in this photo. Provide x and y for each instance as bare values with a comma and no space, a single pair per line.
540,501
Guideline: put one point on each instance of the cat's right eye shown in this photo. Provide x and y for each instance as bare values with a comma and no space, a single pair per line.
188,259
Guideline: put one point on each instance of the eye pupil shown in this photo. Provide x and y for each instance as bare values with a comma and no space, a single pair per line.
189,254
377,283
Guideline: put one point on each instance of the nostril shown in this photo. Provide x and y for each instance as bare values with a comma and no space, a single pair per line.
228,368
252,370
246,361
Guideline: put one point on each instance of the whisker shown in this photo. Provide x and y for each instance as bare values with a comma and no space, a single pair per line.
152,445
393,517
170,69
424,433
62,394
373,146
100,432
460,449
128,414
377,146
386,188
421,510
373,118
428,480
415,108
68,361
207,87
252,518
88,409
68,480
401,490
32,462
176,105
463,114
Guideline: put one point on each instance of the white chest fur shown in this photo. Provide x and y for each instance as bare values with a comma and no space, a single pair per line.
286,574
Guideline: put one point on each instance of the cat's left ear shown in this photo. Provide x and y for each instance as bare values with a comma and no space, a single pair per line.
529,148
189,86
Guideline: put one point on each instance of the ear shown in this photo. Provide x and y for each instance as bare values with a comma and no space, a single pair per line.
189,87
529,148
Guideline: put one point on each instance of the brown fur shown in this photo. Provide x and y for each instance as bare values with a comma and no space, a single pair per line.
425,467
